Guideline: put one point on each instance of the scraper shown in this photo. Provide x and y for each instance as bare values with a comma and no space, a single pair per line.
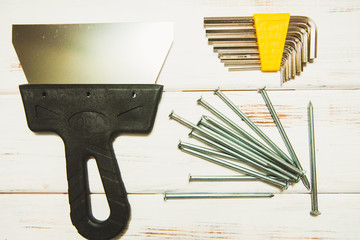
74,71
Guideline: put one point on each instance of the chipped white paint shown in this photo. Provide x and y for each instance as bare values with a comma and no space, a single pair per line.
34,163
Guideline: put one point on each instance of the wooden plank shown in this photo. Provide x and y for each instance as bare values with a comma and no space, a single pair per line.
152,163
285,216
191,63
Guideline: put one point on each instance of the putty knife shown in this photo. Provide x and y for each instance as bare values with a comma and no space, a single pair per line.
73,72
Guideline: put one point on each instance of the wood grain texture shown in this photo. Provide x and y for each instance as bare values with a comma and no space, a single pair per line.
151,164
191,64
285,216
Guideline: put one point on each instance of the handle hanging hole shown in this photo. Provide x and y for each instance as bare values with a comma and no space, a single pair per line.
99,205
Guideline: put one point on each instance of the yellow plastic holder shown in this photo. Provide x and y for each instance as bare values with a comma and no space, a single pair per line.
271,31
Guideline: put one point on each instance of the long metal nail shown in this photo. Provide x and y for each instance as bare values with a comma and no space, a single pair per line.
252,125
237,168
260,148
203,131
224,127
284,136
206,150
220,178
250,159
181,120
250,155
238,157
206,125
220,139
201,195
228,121
314,199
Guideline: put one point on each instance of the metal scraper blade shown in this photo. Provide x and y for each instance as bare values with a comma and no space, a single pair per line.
101,53
75,71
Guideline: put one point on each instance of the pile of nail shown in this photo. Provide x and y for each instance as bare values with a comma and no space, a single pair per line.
229,144
234,40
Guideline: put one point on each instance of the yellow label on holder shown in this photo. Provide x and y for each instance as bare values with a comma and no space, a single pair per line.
271,31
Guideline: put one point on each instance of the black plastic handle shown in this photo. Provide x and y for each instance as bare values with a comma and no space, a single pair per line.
88,117
79,199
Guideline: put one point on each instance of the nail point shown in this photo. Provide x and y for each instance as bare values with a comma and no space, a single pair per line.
191,132
305,181
200,121
287,185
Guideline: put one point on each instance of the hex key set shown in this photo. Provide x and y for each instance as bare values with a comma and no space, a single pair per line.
285,42
232,147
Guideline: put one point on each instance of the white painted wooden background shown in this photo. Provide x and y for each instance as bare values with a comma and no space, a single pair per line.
33,199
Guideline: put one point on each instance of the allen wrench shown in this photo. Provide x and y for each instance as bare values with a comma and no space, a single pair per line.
236,42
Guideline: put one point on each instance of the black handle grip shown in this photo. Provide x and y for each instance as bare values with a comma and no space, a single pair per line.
77,156
88,117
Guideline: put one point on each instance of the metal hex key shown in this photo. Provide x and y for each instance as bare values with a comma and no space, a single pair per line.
235,41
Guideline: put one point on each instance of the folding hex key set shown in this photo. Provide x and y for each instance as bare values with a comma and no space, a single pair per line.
266,42
234,148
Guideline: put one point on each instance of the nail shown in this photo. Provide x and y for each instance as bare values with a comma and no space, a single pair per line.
181,120
207,125
206,150
197,195
217,113
220,178
245,157
314,200
284,136
264,150
239,157
211,135
237,168
221,116
244,151
252,125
